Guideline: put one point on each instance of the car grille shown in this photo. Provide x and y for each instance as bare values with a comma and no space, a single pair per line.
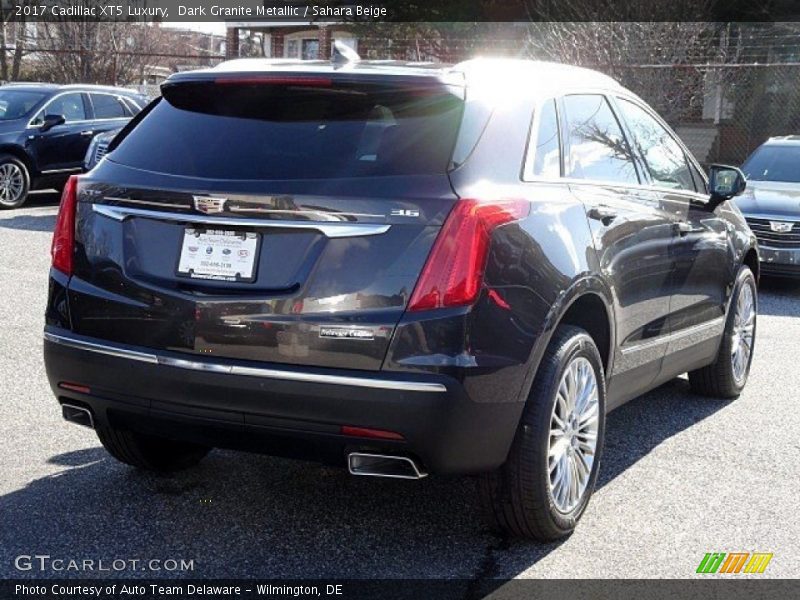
765,235
100,151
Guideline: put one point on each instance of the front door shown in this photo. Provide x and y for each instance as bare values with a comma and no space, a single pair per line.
702,283
63,147
700,250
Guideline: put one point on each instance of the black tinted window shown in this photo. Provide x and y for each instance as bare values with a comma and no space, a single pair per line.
547,150
597,148
284,131
774,163
108,107
70,106
662,155
18,103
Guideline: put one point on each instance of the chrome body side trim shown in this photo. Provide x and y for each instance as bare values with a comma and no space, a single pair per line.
330,229
194,365
713,324
70,170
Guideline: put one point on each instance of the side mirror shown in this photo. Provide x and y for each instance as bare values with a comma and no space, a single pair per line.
725,182
51,121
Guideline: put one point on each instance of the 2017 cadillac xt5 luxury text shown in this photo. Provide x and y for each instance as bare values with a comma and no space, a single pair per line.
402,269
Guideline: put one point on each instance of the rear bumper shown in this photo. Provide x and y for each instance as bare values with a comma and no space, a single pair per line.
783,262
281,410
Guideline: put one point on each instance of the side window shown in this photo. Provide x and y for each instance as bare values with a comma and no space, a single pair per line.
132,106
546,146
68,105
699,180
662,155
597,148
108,107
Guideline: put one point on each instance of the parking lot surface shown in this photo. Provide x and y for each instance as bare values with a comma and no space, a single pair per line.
681,475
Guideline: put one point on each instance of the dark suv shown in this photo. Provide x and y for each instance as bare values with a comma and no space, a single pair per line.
45,130
406,270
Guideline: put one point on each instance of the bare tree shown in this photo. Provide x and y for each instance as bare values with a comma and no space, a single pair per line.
97,52
641,44
16,26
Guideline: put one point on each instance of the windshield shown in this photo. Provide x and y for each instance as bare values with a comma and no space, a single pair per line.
15,104
252,131
774,163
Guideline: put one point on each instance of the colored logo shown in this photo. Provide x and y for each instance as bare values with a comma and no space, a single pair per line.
193,248
244,253
209,250
226,251
209,205
734,562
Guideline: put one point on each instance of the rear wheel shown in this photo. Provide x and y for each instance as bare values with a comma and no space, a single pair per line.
14,182
727,375
149,452
544,486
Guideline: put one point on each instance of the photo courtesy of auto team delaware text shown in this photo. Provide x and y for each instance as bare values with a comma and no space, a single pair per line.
350,299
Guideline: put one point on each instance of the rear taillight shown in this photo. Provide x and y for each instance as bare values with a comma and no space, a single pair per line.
453,274
64,232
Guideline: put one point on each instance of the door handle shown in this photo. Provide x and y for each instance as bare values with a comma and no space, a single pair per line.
87,133
684,228
604,214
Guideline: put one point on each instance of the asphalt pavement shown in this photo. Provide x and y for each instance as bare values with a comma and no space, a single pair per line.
681,476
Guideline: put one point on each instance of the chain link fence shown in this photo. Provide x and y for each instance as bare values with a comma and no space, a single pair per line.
722,112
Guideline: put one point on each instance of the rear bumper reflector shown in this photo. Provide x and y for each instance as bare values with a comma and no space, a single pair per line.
365,432
229,369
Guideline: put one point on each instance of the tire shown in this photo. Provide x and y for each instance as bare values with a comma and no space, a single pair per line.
519,498
15,182
725,378
149,452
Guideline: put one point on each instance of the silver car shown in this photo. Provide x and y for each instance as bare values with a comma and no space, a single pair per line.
771,203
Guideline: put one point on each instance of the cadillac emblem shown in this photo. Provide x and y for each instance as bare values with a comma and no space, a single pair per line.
781,226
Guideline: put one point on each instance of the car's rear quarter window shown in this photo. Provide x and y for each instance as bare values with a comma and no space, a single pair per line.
277,131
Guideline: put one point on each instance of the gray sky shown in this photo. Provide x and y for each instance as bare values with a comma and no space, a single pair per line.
215,27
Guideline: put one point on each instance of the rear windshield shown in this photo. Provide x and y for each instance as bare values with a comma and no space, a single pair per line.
774,163
285,131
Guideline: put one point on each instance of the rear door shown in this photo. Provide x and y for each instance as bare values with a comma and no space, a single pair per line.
109,111
279,219
632,234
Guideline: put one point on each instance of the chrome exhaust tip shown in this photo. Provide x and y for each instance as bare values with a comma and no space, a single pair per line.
383,465
79,415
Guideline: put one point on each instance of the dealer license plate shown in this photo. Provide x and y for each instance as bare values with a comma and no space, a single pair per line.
220,255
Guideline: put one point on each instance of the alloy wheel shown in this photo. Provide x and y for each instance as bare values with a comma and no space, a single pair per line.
573,435
12,183
744,327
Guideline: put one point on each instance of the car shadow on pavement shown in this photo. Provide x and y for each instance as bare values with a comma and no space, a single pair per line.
29,222
782,297
241,515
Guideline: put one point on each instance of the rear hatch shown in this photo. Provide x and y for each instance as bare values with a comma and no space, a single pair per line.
280,218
